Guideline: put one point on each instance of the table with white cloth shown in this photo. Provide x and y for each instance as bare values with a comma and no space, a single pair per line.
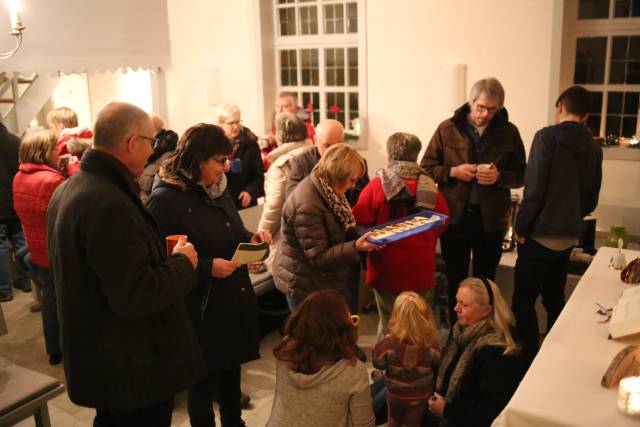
562,386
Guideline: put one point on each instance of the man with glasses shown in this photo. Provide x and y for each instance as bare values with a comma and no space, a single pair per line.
476,157
128,343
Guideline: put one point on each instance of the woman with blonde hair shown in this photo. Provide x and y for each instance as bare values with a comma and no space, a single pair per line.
321,378
409,355
318,242
481,364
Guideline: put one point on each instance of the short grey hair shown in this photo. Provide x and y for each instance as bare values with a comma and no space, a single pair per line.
225,111
491,87
289,128
115,122
403,146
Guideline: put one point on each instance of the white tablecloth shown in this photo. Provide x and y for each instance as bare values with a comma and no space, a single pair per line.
562,387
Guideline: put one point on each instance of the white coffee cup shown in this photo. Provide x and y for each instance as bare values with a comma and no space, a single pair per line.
483,167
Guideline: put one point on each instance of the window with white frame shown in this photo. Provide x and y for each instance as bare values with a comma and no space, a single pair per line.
602,53
318,56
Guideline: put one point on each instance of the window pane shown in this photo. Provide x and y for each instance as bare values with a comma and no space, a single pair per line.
593,9
593,122
627,8
354,121
285,1
288,68
625,63
287,17
353,66
629,126
631,104
334,72
352,17
311,103
309,20
309,65
333,18
613,125
614,103
590,55
335,106
635,8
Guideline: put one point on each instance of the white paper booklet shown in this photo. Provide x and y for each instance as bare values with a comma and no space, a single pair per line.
625,319
247,253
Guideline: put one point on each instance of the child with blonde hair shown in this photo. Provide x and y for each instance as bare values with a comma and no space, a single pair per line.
409,357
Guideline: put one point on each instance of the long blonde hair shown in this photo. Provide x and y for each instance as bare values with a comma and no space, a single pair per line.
412,321
500,318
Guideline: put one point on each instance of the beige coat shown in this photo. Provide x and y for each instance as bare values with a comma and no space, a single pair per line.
336,396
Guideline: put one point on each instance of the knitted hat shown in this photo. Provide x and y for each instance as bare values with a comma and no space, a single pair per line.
403,146
289,128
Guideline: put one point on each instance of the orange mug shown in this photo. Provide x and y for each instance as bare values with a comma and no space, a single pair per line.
172,241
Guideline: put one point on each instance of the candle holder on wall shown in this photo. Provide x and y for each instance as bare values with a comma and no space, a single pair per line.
14,7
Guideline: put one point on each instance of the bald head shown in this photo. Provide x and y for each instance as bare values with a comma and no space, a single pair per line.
328,132
116,122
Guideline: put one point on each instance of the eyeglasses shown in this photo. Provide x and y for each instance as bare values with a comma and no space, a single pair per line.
233,122
484,109
222,161
153,141
355,319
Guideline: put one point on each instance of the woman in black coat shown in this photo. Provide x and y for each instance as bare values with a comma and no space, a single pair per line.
191,198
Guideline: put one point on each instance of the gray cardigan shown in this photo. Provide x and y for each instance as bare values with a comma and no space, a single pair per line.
336,396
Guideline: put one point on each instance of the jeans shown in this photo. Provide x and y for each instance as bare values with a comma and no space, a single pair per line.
457,244
379,400
292,303
200,399
539,271
11,238
155,415
50,323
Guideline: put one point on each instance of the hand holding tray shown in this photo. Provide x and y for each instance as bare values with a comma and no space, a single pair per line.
405,227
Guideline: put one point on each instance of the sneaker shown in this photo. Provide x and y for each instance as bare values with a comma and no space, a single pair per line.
6,298
55,359
25,288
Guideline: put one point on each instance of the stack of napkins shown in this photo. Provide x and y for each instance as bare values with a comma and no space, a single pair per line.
625,319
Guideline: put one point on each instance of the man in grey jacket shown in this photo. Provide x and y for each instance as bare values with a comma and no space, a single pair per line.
562,183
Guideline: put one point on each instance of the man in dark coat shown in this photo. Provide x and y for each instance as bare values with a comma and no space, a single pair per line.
127,340
476,157
562,185
11,235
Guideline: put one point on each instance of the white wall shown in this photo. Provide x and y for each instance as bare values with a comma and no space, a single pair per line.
73,92
212,34
409,41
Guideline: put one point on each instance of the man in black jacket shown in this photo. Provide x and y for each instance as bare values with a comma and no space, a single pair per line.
11,235
127,341
562,184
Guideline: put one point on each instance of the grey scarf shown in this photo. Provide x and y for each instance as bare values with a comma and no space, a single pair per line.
394,187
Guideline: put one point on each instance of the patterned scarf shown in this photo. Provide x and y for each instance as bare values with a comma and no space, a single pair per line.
394,187
338,203
465,340
214,190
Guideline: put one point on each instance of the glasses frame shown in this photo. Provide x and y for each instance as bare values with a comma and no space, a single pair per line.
154,141
221,162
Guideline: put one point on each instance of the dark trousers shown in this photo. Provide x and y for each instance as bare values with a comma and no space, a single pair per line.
457,244
158,415
226,385
12,240
539,271
50,323
401,413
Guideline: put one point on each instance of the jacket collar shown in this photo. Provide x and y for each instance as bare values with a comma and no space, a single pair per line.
104,164
459,118
286,148
37,167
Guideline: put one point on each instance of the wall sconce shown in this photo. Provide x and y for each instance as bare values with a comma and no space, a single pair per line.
14,7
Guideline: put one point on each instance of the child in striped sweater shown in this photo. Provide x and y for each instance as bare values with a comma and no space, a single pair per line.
409,357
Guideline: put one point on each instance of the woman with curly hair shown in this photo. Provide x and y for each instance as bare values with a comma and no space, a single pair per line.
321,378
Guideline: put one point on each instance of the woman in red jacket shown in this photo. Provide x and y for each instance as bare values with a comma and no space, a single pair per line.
401,189
33,187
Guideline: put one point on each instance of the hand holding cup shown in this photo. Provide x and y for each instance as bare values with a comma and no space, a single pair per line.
187,249
487,174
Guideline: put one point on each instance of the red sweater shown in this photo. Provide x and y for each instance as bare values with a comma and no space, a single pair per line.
406,265
33,187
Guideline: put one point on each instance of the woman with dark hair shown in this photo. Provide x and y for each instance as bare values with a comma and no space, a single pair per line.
165,144
321,378
33,186
191,198
401,189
